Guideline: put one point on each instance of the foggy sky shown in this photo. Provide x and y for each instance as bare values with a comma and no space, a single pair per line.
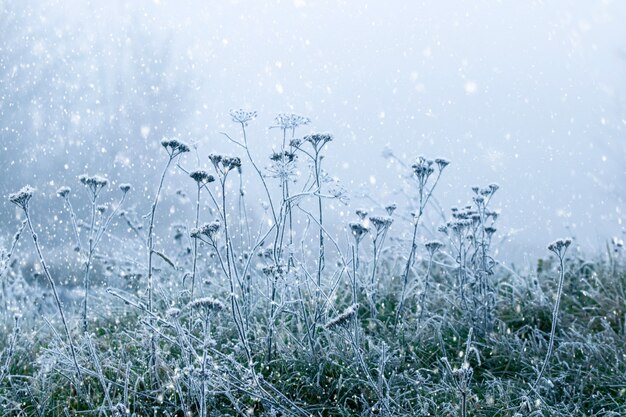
530,95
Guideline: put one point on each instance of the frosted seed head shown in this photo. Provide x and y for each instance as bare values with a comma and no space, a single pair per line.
358,231
318,140
63,192
381,223
391,208
242,116
433,246
174,147
208,304
286,121
22,197
201,177
343,318
442,163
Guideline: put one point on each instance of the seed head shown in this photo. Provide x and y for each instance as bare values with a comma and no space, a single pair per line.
381,223
358,231
559,246
209,230
391,208
318,140
433,246
201,177
63,192
490,230
442,163
362,213
284,157
343,318
95,183
22,197
125,187
422,169
207,304
174,147
242,116
286,121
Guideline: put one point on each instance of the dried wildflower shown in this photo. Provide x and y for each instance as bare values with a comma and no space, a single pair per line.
207,304
224,164
63,192
358,231
209,230
318,140
442,163
242,116
381,223
559,246
286,121
94,183
125,187
391,208
174,147
101,208
295,143
283,166
231,162
201,177
362,213
22,197
422,168
433,246
343,318
284,156
490,230
275,271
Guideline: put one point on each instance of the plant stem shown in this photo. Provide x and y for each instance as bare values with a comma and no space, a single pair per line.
54,292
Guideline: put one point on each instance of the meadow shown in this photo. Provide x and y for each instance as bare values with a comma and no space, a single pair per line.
237,311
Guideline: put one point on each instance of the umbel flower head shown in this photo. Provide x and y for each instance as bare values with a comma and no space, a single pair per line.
209,230
318,140
381,223
22,197
242,116
208,304
64,192
125,187
559,246
358,231
174,147
422,168
433,246
224,164
95,183
286,121
201,177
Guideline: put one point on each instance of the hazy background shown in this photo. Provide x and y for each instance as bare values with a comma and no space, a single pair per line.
531,95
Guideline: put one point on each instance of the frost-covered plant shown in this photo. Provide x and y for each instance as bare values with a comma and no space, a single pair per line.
470,233
22,199
97,228
558,247
423,170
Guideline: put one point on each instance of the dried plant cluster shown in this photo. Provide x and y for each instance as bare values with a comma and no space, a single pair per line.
239,310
